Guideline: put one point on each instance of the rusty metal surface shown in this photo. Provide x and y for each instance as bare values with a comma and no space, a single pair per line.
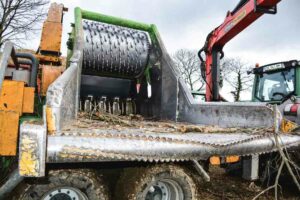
91,141
55,13
32,149
49,75
48,58
51,37
52,30
9,126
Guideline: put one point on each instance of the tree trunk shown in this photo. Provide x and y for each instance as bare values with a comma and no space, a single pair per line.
239,87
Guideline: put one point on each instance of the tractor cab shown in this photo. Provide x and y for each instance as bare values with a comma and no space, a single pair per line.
276,83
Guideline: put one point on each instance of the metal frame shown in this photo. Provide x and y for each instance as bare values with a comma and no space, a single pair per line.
32,150
201,170
63,94
62,97
13,180
83,14
266,10
178,103
9,51
163,147
34,67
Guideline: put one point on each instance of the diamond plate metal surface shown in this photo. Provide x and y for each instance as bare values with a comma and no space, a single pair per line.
92,140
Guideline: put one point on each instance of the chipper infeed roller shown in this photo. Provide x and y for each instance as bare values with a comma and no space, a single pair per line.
114,51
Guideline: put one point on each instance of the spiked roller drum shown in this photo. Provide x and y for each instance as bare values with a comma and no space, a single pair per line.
114,51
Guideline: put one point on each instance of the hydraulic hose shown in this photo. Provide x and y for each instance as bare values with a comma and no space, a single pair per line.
34,67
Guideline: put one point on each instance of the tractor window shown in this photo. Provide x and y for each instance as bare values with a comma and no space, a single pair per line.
275,86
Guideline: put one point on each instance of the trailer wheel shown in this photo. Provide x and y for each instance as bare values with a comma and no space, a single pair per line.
159,182
66,185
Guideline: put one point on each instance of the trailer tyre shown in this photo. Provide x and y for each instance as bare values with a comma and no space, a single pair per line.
67,185
159,182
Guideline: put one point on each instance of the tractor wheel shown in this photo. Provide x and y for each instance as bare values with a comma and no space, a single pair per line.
159,182
65,185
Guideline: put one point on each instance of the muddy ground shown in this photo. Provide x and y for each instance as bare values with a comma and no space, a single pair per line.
229,187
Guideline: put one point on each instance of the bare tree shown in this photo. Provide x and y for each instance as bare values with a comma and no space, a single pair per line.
234,72
188,63
18,18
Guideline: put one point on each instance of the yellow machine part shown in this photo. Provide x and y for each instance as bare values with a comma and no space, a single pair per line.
50,121
48,58
9,125
16,97
49,75
232,159
11,98
28,163
28,100
216,160
288,126
52,29
51,37
15,100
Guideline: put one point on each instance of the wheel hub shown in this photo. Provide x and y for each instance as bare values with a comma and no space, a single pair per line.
164,190
65,193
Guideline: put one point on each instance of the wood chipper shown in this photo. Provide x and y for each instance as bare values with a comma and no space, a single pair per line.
120,123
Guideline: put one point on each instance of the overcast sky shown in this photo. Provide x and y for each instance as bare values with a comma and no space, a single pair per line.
186,23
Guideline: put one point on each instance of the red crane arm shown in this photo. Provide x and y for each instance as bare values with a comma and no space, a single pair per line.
235,22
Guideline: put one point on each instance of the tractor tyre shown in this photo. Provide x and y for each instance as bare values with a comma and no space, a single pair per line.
64,185
163,182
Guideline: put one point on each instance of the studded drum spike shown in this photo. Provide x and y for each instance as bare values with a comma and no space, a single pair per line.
115,45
